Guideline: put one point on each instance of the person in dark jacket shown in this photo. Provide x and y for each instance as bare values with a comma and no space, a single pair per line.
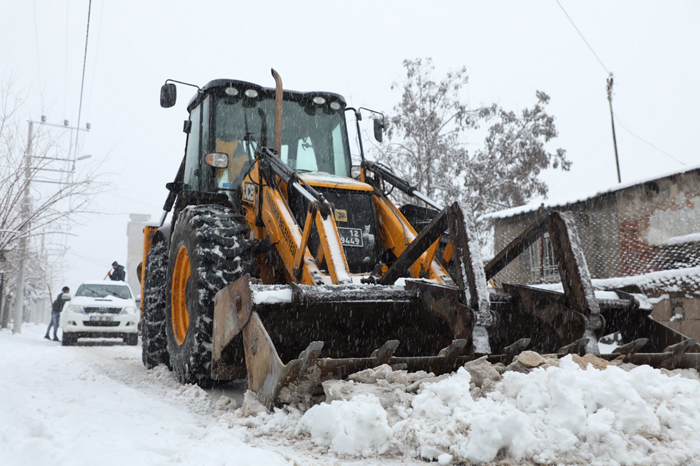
117,273
56,309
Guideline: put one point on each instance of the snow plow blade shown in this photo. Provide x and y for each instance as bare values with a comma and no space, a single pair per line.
293,337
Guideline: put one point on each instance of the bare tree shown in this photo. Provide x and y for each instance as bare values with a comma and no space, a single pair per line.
33,203
430,131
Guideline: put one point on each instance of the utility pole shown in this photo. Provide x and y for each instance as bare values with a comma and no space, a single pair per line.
2,283
612,120
17,315
19,288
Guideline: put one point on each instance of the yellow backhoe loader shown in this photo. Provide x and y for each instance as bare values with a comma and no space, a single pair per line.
281,267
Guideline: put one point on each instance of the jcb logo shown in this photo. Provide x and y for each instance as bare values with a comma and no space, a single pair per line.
249,192
341,215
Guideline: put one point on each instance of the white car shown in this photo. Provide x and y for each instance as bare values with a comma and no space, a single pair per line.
101,309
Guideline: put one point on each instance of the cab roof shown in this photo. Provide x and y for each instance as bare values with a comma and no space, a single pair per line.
263,92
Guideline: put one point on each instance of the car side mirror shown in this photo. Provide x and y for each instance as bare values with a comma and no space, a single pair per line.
168,95
378,130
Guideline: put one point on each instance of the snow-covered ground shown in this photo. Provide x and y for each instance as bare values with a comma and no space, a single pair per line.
96,404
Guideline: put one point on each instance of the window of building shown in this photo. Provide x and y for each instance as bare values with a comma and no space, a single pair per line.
545,270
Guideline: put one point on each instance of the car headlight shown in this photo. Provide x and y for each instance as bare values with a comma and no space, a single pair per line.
129,310
76,309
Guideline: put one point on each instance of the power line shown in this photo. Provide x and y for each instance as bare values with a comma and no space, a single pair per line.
584,39
65,78
82,82
647,142
38,61
94,66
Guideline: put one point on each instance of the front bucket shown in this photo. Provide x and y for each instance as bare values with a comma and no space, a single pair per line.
294,337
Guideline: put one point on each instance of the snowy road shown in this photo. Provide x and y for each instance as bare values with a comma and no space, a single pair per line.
96,404
90,405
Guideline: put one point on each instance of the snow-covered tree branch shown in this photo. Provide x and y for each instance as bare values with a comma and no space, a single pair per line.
41,192
431,128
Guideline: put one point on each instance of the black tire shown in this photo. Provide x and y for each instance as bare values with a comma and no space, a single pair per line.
154,340
219,251
68,339
132,339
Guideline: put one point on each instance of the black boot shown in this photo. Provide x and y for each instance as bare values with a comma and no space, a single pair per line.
55,338
47,336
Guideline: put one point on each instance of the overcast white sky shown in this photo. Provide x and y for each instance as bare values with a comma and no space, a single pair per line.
510,49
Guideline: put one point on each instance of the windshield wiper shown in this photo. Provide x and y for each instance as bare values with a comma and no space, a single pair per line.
263,126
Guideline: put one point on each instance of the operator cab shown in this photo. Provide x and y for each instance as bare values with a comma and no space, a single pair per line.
232,119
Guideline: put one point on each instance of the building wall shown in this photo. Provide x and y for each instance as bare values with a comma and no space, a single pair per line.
622,232
679,305
134,233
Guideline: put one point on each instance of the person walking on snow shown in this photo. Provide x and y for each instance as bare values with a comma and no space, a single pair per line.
56,309
117,274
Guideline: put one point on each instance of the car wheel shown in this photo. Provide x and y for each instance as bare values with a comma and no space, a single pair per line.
132,339
68,339
209,249
154,343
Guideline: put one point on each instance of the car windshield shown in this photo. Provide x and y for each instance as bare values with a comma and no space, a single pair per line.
103,291
314,137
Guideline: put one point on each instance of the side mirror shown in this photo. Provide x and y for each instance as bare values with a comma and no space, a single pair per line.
175,186
378,130
168,95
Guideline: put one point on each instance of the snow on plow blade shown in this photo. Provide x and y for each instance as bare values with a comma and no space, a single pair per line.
294,337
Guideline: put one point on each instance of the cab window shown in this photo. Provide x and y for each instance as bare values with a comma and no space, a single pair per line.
192,155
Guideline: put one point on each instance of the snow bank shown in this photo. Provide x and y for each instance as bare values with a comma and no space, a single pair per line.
552,414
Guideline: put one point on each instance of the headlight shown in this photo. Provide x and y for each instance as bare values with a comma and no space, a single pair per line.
129,310
76,309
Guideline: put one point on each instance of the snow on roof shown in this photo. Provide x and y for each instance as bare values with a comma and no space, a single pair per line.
558,202
104,282
691,238
669,281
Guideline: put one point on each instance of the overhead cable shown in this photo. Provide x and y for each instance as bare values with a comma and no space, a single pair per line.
584,39
648,143
82,82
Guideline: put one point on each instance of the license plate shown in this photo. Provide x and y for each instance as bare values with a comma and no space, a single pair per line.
101,318
350,237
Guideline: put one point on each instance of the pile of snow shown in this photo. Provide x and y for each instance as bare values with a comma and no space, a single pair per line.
556,413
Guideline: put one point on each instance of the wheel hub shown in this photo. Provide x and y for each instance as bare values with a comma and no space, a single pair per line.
178,295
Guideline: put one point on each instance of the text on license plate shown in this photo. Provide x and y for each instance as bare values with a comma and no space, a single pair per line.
350,237
101,318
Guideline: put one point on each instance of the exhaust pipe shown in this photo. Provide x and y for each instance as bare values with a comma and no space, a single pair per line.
278,112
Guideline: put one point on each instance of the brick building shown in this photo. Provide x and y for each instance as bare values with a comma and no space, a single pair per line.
645,234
